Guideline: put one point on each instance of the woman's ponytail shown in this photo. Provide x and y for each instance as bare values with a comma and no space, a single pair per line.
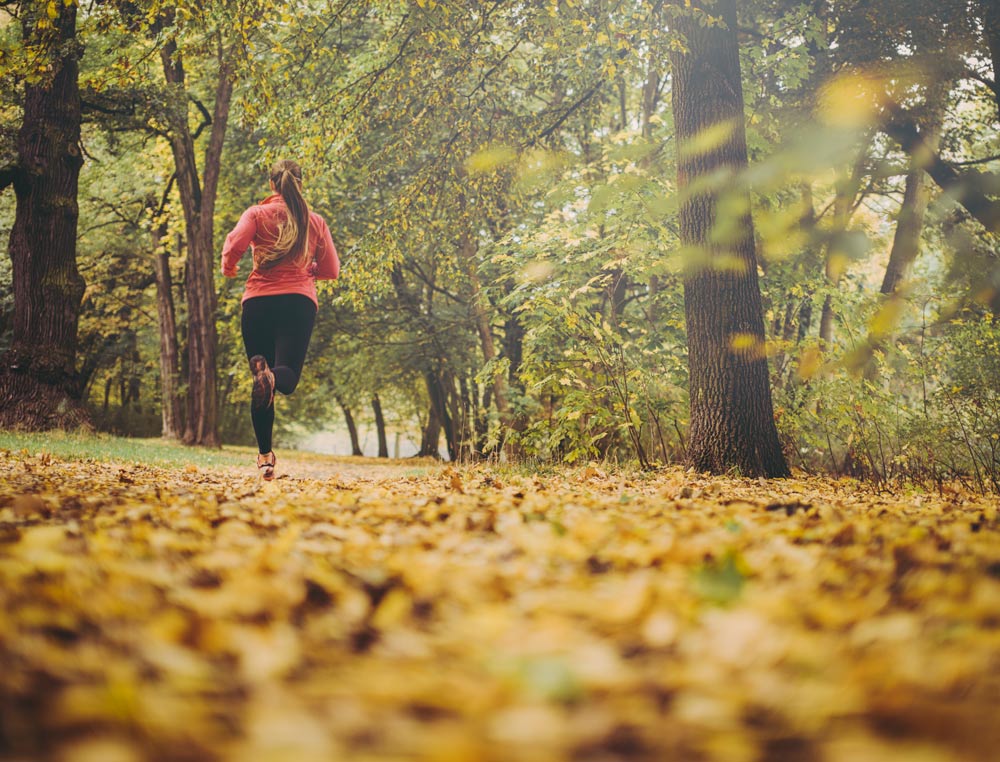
293,233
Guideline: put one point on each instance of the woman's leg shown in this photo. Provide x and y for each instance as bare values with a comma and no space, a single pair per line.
258,324
292,334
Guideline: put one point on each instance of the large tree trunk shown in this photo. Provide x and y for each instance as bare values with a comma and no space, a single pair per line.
38,382
383,443
171,403
732,419
198,202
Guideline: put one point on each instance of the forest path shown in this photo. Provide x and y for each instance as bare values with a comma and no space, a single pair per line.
351,471
411,610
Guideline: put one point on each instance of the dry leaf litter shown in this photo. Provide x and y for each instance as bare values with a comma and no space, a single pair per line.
455,615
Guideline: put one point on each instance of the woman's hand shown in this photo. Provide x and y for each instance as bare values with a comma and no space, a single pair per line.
312,269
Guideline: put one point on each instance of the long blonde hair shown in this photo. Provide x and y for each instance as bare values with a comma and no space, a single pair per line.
293,233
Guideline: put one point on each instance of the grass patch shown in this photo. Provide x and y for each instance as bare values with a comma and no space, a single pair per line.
108,448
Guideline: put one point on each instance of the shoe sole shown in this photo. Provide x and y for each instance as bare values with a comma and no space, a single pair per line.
263,383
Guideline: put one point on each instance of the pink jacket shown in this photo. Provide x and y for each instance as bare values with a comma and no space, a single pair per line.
258,227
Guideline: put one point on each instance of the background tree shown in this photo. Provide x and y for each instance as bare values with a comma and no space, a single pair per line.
39,387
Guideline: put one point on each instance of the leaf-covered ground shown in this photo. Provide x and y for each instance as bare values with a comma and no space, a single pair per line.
359,612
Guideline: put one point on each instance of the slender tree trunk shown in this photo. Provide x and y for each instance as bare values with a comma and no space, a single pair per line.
352,428
198,201
651,90
910,223
171,403
383,443
513,347
39,387
650,93
805,317
481,423
906,240
991,30
909,226
107,395
842,203
438,394
826,323
481,315
732,418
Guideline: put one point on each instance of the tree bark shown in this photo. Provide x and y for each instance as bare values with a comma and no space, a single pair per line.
430,441
383,443
198,196
39,386
732,418
171,403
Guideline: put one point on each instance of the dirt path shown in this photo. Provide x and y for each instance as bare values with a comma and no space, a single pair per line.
369,610
352,472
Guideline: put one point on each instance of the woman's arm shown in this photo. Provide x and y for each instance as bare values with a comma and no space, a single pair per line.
327,261
238,241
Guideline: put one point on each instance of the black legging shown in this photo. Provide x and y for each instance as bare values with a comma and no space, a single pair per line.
277,327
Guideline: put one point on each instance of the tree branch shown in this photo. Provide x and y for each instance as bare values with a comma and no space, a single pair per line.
8,175
206,118
972,74
969,187
971,162
216,138
568,112
166,195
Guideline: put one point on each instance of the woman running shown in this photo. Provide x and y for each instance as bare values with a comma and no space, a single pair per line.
292,248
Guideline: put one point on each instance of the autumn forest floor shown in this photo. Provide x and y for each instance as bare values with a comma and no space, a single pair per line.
368,610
